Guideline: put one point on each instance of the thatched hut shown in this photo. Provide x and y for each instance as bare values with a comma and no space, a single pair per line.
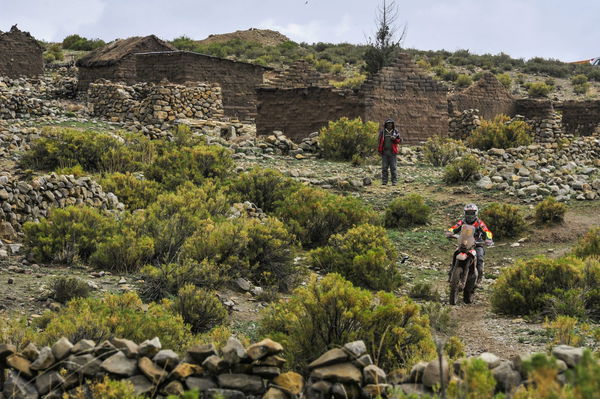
20,54
116,60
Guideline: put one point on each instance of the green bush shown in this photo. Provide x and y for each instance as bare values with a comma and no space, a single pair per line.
166,280
478,381
55,52
122,316
424,291
500,132
589,244
364,255
342,139
201,309
450,76
134,191
579,79
179,165
78,43
262,187
314,215
538,89
581,88
68,235
463,80
462,170
332,311
439,317
351,83
533,286
440,151
66,288
550,211
407,211
505,79
504,220
454,348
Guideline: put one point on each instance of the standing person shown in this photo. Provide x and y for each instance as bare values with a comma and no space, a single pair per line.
389,138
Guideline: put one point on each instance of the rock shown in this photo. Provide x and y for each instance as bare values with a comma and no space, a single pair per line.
7,350
104,349
413,389
154,373
356,349
7,231
174,388
48,381
243,284
201,352
233,351
20,364
214,365
568,354
150,348
31,352
342,372
274,393
241,382
128,347
166,359
485,182
184,370
374,375
266,372
141,385
86,365
16,387
417,371
120,364
345,391
377,390
84,346
363,361
263,348
431,375
290,382
275,361
44,360
318,390
61,348
332,356
490,359
201,384
561,365
507,378
216,393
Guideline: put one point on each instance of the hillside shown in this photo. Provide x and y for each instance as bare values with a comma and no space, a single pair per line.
264,37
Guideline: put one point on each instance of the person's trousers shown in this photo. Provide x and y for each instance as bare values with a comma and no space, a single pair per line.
388,162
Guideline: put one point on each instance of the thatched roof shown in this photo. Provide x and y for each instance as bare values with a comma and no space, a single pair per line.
115,51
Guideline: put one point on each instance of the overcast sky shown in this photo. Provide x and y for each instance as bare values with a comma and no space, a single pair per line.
567,30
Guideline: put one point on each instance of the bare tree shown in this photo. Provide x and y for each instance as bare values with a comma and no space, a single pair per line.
388,37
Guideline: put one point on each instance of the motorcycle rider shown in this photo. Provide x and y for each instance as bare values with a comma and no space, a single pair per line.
482,233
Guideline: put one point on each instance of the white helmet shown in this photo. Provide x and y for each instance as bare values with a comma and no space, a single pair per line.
471,212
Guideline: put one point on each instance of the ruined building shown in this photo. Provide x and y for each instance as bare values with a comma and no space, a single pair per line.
487,95
20,54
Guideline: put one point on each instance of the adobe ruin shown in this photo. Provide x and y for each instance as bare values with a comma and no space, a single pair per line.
20,54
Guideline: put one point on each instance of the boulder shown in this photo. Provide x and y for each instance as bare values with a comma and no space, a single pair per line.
341,372
432,373
490,359
16,387
154,373
61,348
241,382
332,356
374,375
233,351
264,348
507,378
166,359
291,382
120,364
568,354
363,361
417,371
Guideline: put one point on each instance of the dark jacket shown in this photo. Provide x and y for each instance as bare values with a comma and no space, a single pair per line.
396,139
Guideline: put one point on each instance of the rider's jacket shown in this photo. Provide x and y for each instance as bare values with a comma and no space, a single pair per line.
482,232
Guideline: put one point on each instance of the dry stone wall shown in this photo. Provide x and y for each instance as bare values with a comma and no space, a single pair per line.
22,201
237,372
150,103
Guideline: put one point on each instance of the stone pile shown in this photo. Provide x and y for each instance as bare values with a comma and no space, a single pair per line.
569,170
311,143
462,124
234,373
246,209
546,129
22,201
14,139
154,104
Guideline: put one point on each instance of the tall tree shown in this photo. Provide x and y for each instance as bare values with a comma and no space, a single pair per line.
388,37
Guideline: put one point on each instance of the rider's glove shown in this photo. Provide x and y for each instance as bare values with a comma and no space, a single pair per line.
489,242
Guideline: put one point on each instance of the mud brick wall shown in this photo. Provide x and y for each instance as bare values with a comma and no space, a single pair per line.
534,109
414,100
297,112
122,71
20,54
238,80
580,117
487,95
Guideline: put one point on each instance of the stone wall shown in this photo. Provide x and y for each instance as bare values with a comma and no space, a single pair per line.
238,80
19,103
20,54
297,112
417,102
21,201
487,95
150,103
580,117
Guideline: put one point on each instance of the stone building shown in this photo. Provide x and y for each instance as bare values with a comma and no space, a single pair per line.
20,54
116,61
487,95
300,101
238,80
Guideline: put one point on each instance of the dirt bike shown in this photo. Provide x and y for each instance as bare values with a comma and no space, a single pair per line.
463,275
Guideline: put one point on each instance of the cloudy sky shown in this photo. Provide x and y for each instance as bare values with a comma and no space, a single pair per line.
567,30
